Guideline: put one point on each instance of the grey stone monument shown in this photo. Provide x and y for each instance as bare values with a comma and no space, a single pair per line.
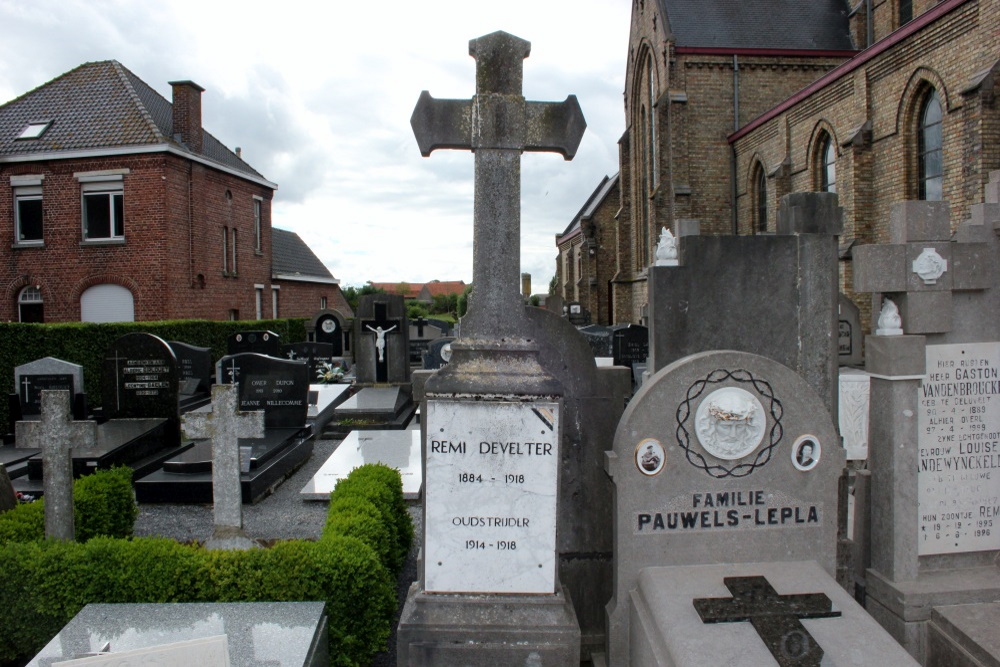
726,468
8,498
934,429
773,295
57,434
381,335
225,425
488,589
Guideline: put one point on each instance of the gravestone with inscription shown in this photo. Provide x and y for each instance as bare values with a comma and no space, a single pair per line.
934,428
261,342
725,468
194,365
422,333
630,345
488,589
48,373
438,353
849,334
278,387
332,327
314,354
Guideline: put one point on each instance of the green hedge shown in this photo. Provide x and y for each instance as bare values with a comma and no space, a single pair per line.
44,583
86,343
103,504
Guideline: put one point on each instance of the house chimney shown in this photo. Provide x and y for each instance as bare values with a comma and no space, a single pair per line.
187,114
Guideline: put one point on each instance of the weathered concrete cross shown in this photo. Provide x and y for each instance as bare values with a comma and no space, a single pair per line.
497,124
55,434
225,425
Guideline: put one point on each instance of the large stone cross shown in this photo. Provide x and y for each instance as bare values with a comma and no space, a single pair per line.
774,617
56,434
225,425
497,124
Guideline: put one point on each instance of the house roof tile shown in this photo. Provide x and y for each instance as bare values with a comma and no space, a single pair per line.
291,257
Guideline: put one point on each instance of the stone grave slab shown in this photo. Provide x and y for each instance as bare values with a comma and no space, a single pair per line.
964,635
378,407
280,387
207,652
260,342
321,411
283,634
721,457
662,593
47,373
396,449
438,353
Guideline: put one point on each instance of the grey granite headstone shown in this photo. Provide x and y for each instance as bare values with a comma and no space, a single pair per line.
48,373
225,425
721,457
438,353
56,434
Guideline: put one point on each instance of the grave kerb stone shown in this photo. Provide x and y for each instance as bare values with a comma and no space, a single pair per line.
56,434
225,425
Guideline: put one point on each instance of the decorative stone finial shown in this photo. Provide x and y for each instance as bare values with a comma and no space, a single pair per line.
889,321
666,249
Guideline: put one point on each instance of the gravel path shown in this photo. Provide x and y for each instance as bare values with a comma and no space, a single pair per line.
282,515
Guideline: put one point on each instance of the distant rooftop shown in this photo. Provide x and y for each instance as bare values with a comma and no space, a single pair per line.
99,105
810,25
291,259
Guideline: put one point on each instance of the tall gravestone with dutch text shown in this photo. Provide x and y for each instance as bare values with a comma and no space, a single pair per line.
934,427
488,589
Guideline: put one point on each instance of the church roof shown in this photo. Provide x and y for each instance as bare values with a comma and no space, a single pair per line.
100,105
595,199
292,259
811,25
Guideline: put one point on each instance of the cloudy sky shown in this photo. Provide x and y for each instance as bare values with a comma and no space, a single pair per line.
319,94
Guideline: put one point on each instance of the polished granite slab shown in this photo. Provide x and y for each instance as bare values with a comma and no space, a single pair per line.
398,449
278,634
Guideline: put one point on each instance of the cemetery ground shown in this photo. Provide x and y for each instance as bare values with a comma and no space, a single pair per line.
283,515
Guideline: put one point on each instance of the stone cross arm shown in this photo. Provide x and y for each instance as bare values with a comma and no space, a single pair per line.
547,127
225,419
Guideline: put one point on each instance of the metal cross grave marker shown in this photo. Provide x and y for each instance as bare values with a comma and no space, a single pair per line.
497,124
225,425
774,617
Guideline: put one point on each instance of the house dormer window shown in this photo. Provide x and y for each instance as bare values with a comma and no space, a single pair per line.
35,130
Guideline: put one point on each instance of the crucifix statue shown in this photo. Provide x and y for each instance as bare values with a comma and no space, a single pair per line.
497,124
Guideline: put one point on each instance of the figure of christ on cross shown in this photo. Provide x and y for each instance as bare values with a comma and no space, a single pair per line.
497,124
381,325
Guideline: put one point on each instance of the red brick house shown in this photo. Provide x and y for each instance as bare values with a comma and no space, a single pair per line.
119,206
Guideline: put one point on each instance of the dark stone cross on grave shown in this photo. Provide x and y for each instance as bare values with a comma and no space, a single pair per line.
420,323
55,434
381,327
774,617
225,425
497,124
118,386
26,383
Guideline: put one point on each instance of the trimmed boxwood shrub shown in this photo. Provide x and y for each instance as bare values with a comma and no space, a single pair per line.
383,486
103,504
44,583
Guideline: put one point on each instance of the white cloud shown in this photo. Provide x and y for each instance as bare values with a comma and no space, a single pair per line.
318,95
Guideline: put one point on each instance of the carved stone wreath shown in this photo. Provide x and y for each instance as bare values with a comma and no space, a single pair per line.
685,427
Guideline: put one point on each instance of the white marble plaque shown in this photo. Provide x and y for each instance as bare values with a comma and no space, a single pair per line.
959,448
490,497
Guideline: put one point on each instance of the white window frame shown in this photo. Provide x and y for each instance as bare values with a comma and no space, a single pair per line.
259,300
274,301
322,303
258,214
24,193
112,187
235,270
225,251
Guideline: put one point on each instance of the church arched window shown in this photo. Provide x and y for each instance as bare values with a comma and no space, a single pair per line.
930,163
759,185
827,164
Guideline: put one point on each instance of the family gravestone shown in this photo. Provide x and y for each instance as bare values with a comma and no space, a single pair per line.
499,600
849,334
630,345
438,353
314,354
48,373
934,427
261,342
140,378
194,365
422,333
726,468
331,327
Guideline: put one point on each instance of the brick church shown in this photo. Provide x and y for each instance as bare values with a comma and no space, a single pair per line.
731,105
118,206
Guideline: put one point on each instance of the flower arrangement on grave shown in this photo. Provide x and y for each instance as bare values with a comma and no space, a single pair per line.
329,373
